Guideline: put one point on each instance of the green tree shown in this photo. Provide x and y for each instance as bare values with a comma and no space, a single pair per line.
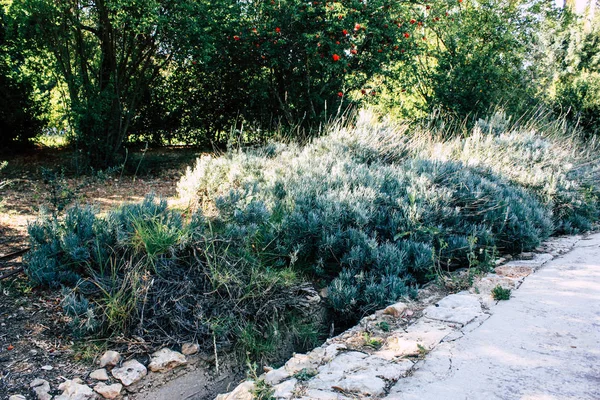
20,111
107,52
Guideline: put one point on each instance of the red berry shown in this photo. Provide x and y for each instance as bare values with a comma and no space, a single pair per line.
406,35
340,94
278,30
336,57
412,21
345,32
356,27
236,37
353,51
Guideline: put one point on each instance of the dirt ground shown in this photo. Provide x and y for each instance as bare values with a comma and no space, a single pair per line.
33,331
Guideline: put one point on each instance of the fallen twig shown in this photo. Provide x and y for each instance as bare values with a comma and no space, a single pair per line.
16,254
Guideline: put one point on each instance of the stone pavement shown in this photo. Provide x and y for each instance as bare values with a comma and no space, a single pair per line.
542,344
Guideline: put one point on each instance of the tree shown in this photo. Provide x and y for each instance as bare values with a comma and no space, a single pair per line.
107,52
20,113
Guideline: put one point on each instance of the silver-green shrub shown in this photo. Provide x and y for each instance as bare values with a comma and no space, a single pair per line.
369,210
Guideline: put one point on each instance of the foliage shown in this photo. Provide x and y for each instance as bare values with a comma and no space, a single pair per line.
370,210
143,270
499,293
20,110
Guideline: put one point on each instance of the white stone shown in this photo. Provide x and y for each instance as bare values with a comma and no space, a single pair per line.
365,383
242,392
131,372
285,390
74,390
187,349
17,397
396,310
275,376
165,360
423,335
110,358
298,363
537,261
47,367
41,387
333,350
312,394
108,391
460,308
99,375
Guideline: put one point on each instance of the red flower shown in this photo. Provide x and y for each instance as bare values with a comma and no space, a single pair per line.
356,27
380,51
345,32
336,57
236,37
412,21
278,30
406,35
340,94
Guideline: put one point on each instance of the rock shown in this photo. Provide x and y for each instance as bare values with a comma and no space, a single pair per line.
275,376
47,368
396,310
527,256
333,350
312,394
187,349
75,390
108,391
285,390
110,358
165,360
514,271
17,397
131,372
298,363
536,262
41,387
242,392
99,375
457,308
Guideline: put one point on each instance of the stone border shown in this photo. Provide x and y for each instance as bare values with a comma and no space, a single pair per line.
368,359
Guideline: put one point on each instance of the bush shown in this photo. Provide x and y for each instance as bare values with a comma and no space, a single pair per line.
144,270
369,211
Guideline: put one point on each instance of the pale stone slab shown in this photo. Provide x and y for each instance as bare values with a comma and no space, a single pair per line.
275,376
285,390
99,374
131,372
75,390
165,360
108,391
110,358
455,308
242,392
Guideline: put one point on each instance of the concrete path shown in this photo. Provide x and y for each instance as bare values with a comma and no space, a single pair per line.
542,344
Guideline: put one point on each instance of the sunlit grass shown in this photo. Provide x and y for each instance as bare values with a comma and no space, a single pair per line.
52,141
